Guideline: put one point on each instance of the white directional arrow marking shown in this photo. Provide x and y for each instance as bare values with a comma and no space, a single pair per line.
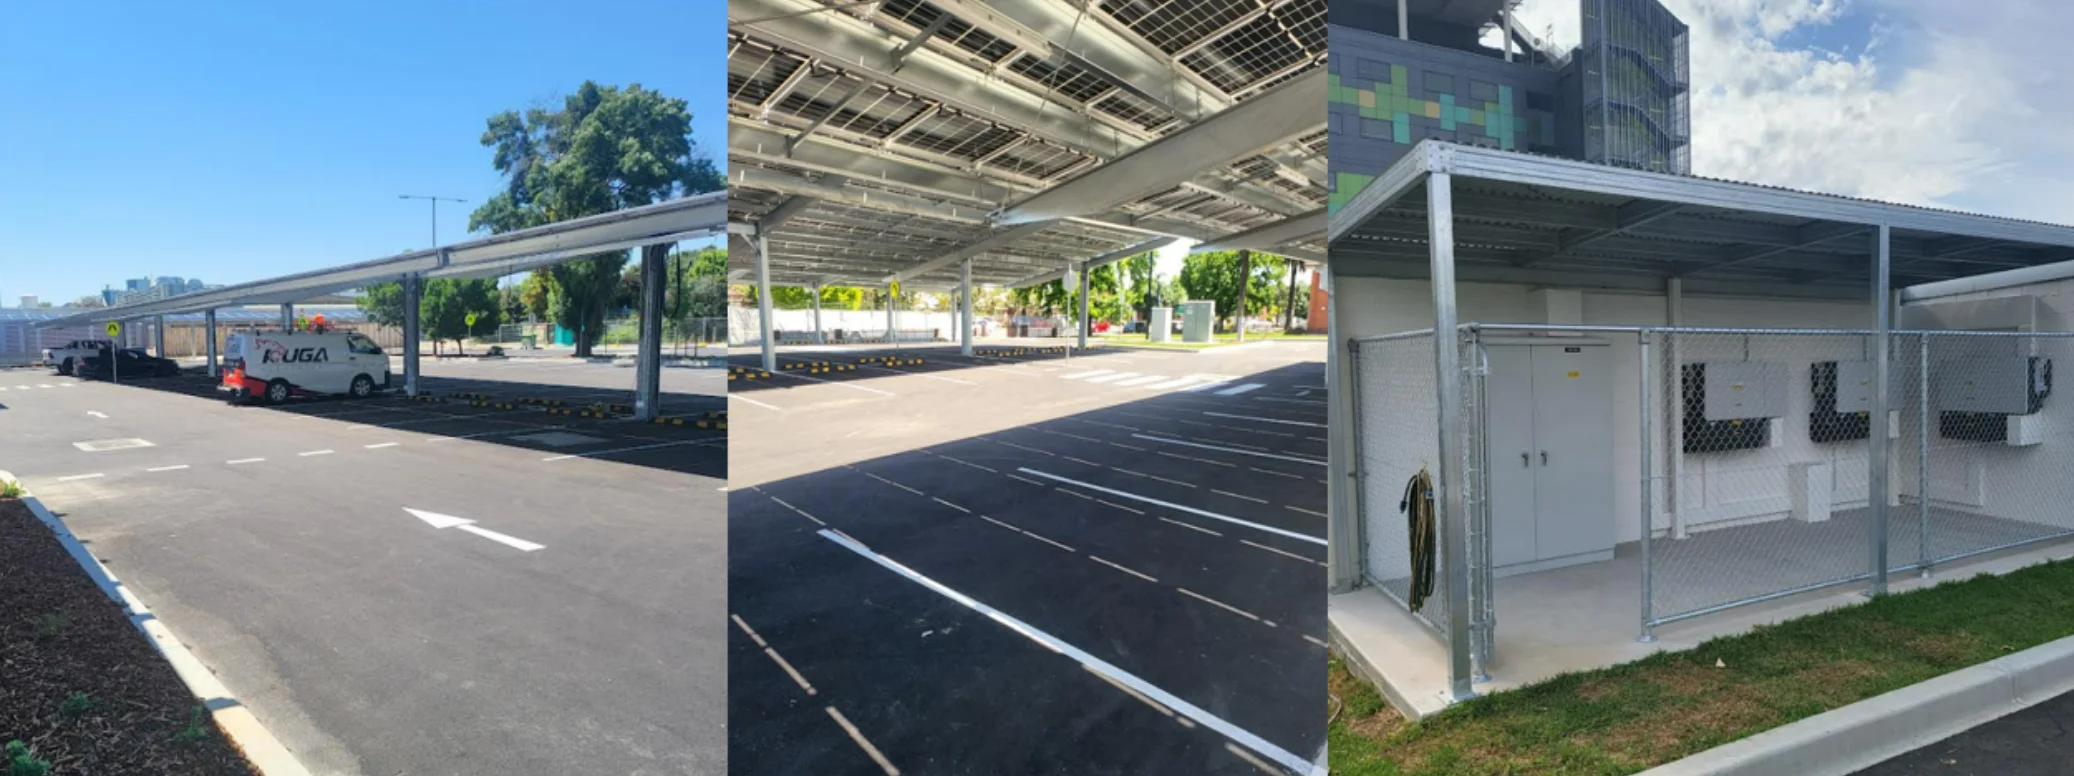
437,520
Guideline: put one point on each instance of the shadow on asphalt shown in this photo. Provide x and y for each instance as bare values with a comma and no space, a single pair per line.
1034,521
555,420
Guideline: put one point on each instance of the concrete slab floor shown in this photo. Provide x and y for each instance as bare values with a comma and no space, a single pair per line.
1581,618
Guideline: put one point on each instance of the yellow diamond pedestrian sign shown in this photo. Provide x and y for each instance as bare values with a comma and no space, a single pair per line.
115,328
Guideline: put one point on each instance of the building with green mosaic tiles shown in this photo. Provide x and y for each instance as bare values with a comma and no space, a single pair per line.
1620,98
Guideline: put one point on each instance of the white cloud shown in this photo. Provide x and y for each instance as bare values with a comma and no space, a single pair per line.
1950,104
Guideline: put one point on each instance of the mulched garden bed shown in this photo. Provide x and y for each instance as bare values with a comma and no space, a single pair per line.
81,687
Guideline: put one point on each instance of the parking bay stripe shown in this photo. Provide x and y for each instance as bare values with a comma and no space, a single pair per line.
1240,389
1311,461
1281,756
1263,420
1178,507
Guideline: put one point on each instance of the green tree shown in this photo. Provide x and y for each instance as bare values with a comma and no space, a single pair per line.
511,303
1215,276
535,293
443,307
383,303
605,149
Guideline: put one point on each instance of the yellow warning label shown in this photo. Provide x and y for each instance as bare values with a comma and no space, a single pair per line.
1573,375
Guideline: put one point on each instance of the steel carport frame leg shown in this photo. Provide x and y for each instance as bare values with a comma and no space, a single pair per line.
209,332
1245,274
1085,324
965,308
288,316
1878,450
158,336
1342,433
648,358
413,288
763,303
815,291
1454,518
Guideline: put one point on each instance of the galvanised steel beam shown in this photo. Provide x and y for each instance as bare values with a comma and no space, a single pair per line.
1287,111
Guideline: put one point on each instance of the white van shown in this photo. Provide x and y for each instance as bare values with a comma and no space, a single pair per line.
274,366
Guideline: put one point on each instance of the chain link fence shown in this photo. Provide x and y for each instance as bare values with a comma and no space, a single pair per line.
1729,466
1397,427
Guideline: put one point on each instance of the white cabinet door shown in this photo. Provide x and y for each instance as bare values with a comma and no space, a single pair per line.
1573,449
1509,426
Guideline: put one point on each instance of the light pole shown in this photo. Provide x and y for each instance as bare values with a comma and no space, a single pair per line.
435,211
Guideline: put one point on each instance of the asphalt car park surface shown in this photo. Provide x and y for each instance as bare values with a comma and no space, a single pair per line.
1024,563
397,586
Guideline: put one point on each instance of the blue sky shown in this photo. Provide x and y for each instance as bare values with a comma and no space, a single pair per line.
233,141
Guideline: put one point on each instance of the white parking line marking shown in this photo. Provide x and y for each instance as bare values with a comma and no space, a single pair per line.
732,396
315,452
1288,401
1305,511
843,384
1120,567
1281,756
508,541
596,453
1110,378
1193,526
1279,552
1085,375
167,468
1136,381
102,415
66,385
82,477
1204,386
1312,461
1238,496
1241,389
380,446
858,736
1178,507
1169,384
244,460
45,385
1214,602
23,387
1263,420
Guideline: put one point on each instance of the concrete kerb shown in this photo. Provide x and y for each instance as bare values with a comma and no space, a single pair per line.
1845,740
258,744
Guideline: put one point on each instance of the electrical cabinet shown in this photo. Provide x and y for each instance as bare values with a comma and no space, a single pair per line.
1549,447
1729,404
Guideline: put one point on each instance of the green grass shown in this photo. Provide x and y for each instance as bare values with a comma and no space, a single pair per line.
1630,717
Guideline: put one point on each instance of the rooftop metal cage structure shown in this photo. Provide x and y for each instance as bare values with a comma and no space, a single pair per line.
1636,79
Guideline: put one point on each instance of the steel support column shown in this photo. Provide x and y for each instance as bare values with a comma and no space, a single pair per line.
965,308
1245,278
158,336
648,359
1447,373
815,291
1404,19
1085,324
288,316
891,329
413,288
1877,486
1343,521
763,303
209,332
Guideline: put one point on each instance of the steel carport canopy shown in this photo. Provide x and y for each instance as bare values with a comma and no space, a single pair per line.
679,219
925,129
1522,218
